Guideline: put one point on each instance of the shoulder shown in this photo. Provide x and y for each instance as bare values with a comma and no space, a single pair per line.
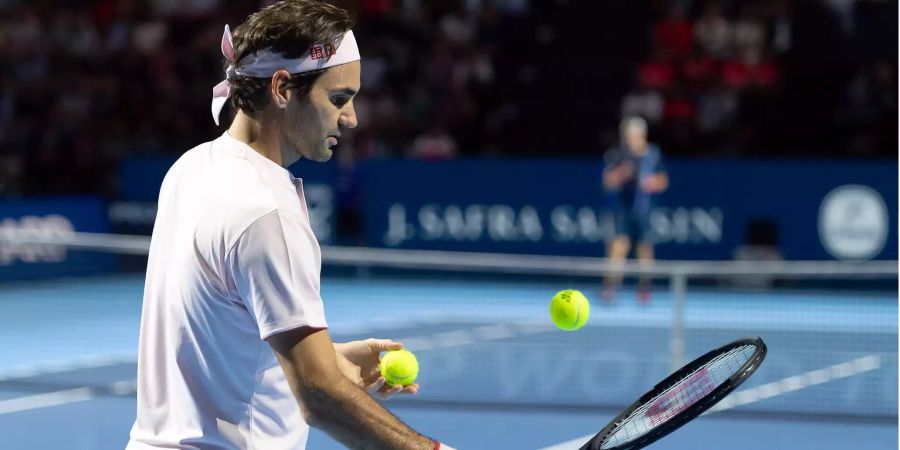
613,154
230,189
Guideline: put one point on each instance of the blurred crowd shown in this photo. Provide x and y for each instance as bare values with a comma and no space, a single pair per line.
781,77
90,82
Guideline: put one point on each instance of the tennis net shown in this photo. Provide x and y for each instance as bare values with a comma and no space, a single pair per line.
479,324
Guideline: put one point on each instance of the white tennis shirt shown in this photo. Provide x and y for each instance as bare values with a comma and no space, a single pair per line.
233,260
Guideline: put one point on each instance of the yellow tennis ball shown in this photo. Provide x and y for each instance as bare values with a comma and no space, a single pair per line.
569,309
399,367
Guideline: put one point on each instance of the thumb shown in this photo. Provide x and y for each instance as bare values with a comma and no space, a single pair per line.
382,345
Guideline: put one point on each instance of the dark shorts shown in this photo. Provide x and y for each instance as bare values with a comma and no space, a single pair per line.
635,225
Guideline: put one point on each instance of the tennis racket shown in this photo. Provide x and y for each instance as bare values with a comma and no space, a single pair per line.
682,396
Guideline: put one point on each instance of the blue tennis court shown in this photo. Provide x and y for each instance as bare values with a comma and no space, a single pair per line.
494,372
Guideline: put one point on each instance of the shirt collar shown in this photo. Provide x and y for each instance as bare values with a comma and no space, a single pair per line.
265,165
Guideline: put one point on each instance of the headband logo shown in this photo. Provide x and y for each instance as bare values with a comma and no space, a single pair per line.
322,51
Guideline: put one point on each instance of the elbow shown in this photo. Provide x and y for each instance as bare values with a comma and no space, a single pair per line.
314,400
312,418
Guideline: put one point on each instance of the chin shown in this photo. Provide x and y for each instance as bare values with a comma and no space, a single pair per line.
318,155
324,155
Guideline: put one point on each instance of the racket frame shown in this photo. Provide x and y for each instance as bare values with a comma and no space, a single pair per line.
697,408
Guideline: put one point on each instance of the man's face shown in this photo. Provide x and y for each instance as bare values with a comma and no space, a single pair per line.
312,124
635,138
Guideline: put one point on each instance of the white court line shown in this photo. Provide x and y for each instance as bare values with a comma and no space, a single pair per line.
67,365
45,400
59,398
472,335
768,390
446,339
123,387
797,382
435,340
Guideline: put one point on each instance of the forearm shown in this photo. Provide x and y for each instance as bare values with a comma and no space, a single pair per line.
352,417
610,181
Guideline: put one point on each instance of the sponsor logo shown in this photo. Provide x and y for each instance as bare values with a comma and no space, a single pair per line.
526,223
322,51
853,222
48,226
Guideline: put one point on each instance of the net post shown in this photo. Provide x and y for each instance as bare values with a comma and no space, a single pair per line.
677,288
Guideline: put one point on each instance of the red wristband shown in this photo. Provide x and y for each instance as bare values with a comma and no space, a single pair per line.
437,445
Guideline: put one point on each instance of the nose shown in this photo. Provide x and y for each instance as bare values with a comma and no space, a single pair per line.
348,117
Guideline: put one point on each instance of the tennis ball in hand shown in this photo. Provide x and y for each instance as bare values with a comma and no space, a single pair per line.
399,367
569,309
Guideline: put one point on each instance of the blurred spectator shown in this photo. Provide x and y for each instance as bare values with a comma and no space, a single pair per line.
183,7
434,145
749,35
781,28
699,70
674,34
644,102
713,31
657,73
716,111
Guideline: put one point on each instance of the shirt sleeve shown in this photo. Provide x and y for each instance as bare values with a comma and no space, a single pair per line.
613,157
275,265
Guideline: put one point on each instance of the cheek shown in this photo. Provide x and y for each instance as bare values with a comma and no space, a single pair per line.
329,119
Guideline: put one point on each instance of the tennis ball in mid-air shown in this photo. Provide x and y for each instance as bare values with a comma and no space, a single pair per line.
399,367
569,309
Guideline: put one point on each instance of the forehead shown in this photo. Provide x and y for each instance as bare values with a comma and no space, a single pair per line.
342,76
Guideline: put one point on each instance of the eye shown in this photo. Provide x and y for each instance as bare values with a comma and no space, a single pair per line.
340,100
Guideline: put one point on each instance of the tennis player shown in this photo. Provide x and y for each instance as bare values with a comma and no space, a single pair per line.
234,347
633,174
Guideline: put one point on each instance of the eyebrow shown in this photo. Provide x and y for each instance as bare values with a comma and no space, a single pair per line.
346,90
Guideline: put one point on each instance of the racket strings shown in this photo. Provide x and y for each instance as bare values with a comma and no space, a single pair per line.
680,396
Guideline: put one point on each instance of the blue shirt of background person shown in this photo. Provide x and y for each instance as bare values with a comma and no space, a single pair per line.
634,166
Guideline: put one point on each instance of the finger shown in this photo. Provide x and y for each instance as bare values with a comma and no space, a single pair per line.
383,345
396,389
388,388
376,386
372,374
412,389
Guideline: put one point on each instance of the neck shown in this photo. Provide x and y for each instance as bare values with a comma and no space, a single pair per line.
639,149
261,135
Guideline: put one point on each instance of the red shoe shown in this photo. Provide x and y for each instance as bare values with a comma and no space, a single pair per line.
643,296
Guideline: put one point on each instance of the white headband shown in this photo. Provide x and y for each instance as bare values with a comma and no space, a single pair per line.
264,63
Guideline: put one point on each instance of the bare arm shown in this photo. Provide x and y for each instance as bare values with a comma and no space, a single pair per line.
615,176
331,402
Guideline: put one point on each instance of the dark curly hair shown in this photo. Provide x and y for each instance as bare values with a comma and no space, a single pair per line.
290,27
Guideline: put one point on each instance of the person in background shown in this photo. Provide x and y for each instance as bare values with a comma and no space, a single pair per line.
633,175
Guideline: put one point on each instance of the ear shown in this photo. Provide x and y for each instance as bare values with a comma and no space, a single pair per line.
280,93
